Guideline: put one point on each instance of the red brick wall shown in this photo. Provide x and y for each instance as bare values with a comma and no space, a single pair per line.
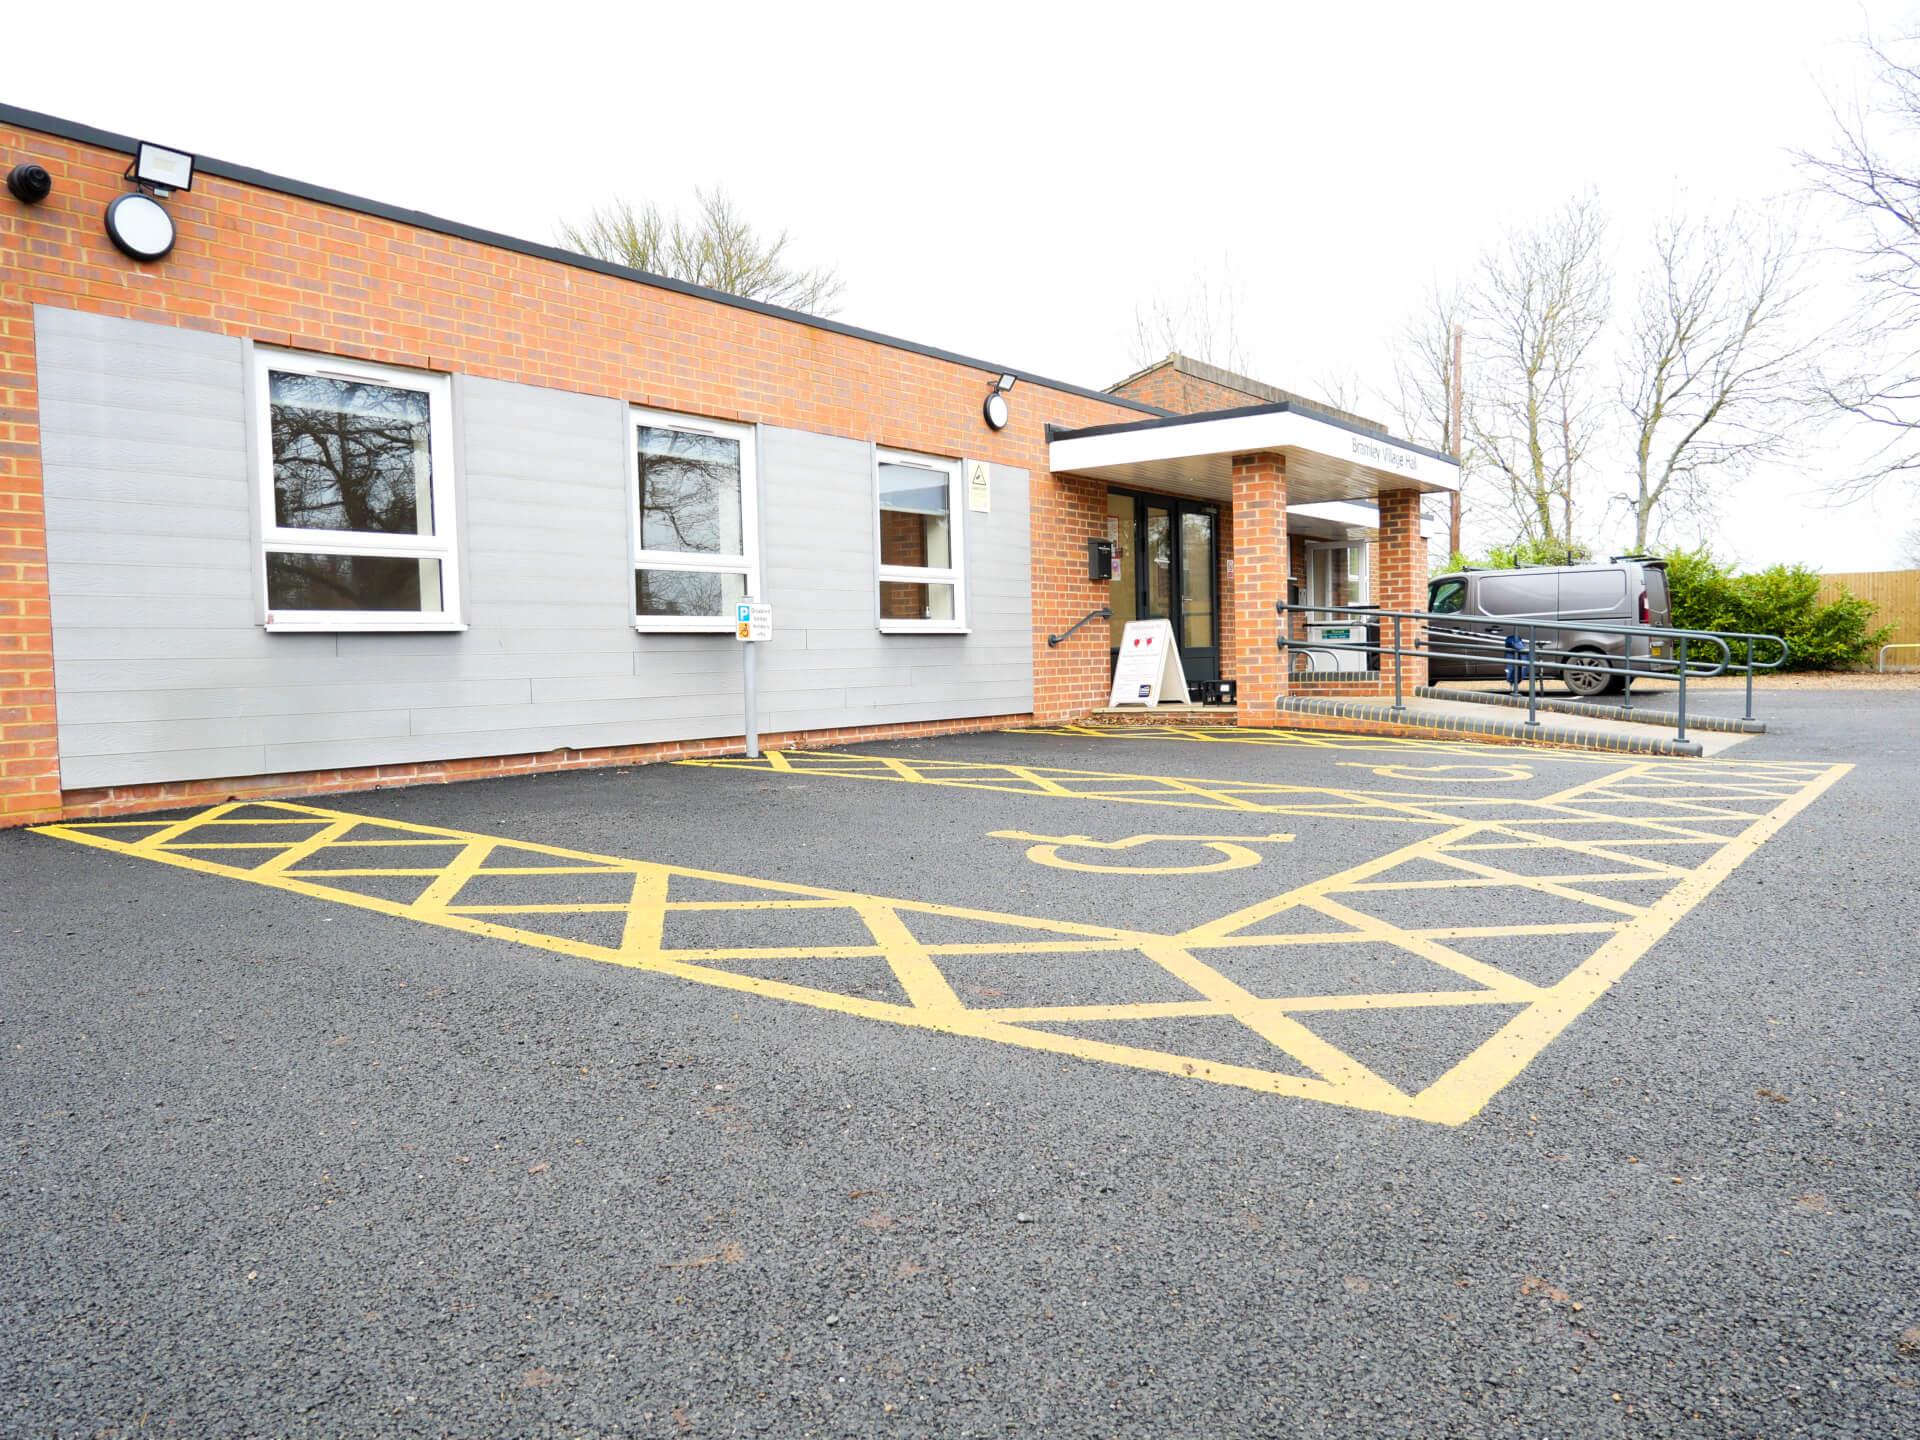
29,762
256,263
1400,575
1260,578
1184,394
1068,681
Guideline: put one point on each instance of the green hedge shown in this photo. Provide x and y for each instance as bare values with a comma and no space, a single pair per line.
1779,600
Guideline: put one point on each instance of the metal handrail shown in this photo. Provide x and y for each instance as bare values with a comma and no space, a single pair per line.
1533,659
1105,612
1751,664
1881,664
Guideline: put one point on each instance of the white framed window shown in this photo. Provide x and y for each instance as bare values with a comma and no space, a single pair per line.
921,575
1337,572
356,495
694,506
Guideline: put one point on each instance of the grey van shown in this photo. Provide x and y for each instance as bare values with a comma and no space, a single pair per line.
1493,604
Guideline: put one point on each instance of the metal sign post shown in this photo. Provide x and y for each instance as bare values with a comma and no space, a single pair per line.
753,623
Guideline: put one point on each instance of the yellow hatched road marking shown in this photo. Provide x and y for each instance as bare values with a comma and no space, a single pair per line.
1203,957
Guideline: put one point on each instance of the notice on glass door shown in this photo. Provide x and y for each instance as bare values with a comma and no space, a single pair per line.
1149,666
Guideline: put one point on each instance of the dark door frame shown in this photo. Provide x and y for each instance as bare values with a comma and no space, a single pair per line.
1204,663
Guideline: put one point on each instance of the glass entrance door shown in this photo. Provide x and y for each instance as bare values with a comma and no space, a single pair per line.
1166,559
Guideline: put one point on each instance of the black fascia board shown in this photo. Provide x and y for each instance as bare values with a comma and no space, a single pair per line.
246,175
1122,427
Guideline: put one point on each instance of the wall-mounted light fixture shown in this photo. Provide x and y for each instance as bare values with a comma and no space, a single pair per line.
161,170
996,409
138,224
29,183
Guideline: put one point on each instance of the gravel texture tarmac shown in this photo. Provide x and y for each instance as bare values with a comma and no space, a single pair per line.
279,1166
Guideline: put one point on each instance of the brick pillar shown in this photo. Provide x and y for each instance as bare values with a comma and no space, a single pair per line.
1259,578
1400,577
29,757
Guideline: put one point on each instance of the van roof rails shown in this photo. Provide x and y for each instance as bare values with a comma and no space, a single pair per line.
1643,559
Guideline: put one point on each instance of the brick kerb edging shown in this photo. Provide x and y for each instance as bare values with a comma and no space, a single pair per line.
176,794
1670,719
1417,722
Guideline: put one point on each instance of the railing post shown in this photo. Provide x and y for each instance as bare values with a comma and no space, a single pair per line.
1749,677
1683,689
1399,668
1533,675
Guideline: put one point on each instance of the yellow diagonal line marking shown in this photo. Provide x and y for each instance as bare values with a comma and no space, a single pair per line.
1531,882
1459,1095
313,844
646,912
1253,914
180,827
454,876
1269,1020
918,975
1426,948
1145,1010
1046,786
1340,1079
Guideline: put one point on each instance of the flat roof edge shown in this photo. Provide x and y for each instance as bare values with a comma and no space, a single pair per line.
246,175
1122,427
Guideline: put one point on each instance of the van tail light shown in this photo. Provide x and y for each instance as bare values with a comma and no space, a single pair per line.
1646,610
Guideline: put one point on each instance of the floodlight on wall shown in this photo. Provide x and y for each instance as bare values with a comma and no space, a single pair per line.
161,170
996,409
29,183
138,224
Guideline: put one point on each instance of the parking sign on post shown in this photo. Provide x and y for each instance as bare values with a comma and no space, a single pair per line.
753,623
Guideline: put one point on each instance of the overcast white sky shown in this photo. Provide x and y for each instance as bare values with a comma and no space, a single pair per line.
1013,182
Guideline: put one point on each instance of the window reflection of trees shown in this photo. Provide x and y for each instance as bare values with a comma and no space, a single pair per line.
689,494
351,582
350,456
699,593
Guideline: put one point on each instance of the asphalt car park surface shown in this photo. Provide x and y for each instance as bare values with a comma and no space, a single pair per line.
280,1164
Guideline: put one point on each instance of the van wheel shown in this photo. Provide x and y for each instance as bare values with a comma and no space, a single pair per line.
1588,674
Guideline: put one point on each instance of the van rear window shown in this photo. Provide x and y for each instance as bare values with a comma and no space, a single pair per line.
1657,596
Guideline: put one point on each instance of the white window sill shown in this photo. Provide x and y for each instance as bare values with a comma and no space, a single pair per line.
350,627
921,627
697,627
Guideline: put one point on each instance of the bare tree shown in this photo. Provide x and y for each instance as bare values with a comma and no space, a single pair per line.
1537,310
1910,548
1201,324
1341,390
1424,403
1712,373
716,247
1879,191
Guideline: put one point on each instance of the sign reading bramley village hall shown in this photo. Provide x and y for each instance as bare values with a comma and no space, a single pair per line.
1148,666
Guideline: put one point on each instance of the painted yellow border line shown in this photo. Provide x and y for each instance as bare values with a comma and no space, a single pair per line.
297,866
1463,1091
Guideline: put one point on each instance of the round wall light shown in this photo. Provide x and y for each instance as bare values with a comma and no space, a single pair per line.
996,409
140,227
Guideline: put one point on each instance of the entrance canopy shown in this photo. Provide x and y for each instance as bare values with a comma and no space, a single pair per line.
1328,459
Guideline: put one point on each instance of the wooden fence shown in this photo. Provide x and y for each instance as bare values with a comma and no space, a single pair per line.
1895,596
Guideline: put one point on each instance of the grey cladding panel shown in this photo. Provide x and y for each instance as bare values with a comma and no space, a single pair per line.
819,535
163,673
